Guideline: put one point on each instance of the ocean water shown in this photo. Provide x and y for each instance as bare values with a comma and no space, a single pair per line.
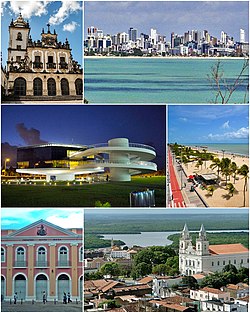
235,148
156,80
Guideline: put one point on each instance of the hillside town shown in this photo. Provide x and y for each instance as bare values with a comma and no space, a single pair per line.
196,278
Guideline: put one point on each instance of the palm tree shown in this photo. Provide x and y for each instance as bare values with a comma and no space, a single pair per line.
205,157
216,164
234,169
226,167
199,163
211,189
231,189
244,170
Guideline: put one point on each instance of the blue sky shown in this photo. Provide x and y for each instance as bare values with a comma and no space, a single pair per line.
208,123
16,218
64,16
168,16
87,124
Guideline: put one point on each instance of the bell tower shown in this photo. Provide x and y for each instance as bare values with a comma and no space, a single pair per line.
19,31
185,240
202,244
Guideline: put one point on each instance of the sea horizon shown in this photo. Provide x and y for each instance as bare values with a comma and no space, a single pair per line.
235,148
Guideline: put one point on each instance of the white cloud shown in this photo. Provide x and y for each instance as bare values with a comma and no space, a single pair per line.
72,220
242,133
225,125
70,27
29,8
3,4
183,119
64,11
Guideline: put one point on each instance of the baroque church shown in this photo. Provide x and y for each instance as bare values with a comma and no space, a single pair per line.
39,70
204,258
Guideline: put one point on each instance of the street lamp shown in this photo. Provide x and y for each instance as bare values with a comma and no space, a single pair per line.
223,151
5,162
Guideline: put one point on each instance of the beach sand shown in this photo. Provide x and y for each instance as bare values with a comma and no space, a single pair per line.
220,197
166,57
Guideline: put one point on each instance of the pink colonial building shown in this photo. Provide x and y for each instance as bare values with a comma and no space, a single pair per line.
39,259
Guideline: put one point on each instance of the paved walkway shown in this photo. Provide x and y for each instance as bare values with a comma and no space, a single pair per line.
177,198
37,307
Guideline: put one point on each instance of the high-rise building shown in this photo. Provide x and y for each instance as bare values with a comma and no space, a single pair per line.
242,36
132,32
153,36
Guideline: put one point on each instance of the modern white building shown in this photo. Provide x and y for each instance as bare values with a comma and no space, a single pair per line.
208,258
121,157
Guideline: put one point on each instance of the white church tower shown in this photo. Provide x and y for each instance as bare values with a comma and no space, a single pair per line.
185,240
202,244
19,31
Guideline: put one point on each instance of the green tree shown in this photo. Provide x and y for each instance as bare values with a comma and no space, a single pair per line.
190,281
172,265
234,170
216,163
231,189
243,171
211,189
111,304
230,268
141,269
110,268
226,167
199,163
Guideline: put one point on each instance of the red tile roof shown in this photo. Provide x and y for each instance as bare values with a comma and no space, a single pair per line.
227,249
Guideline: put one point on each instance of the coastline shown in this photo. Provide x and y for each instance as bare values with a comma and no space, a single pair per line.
167,57
220,197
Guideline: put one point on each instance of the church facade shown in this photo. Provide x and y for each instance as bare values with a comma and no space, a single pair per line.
39,259
208,258
42,69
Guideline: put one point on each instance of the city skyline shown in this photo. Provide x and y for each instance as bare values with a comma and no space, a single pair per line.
168,17
208,124
64,17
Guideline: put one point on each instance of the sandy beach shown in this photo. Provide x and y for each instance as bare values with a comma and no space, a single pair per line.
220,197
167,57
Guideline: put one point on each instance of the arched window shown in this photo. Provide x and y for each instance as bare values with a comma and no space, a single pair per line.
38,87
79,87
64,86
81,254
2,254
51,84
41,257
63,256
19,36
20,257
20,87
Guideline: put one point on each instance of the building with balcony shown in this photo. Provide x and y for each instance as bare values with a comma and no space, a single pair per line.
41,258
119,158
42,69
208,258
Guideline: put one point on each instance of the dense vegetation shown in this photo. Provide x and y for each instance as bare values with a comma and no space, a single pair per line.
216,238
92,241
117,222
229,275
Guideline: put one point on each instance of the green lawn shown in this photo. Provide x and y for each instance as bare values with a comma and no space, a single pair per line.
116,193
